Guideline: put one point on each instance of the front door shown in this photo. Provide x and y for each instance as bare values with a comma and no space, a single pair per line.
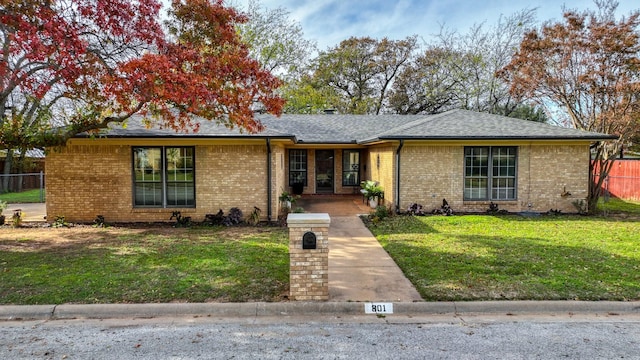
324,171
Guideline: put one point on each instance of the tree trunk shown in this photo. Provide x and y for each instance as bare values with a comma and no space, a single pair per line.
598,172
20,170
8,161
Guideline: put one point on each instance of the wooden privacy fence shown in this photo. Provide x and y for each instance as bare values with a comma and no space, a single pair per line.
623,181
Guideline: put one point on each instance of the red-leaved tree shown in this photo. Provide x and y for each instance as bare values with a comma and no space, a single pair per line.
70,66
589,67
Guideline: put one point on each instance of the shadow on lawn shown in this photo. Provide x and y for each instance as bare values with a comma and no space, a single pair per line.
618,206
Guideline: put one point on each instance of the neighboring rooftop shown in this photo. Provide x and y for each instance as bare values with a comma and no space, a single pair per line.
31,153
343,129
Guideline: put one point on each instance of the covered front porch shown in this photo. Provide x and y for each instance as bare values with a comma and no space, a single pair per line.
334,205
325,170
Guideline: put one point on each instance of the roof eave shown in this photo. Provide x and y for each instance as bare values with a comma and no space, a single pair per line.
178,136
352,142
462,138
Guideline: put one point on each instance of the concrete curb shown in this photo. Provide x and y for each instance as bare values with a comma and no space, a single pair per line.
284,309
26,312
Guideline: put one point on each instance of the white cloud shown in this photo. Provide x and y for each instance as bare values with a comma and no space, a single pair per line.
331,21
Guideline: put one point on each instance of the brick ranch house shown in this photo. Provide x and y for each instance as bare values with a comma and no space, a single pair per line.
471,159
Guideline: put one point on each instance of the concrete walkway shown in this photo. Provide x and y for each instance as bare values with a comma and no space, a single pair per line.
31,211
359,268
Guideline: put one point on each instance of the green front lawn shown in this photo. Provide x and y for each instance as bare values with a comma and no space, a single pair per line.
480,257
474,257
129,265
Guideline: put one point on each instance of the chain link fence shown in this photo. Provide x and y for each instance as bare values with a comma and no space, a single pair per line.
30,184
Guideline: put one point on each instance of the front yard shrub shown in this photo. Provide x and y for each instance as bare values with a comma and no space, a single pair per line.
445,209
181,221
416,209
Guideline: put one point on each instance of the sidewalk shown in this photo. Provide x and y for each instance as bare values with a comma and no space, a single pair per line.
359,268
31,211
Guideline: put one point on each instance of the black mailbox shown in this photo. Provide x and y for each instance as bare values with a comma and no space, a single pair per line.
309,240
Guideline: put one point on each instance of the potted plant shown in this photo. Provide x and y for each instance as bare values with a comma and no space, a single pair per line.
287,199
16,219
372,191
3,206
297,187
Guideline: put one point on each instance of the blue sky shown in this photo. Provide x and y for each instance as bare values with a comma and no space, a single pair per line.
330,21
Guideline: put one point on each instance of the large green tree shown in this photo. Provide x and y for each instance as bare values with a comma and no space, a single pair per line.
276,40
428,84
355,77
588,66
459,70
306,96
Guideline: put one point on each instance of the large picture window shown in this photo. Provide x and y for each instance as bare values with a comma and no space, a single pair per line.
350,168
164,177
297,167
490,173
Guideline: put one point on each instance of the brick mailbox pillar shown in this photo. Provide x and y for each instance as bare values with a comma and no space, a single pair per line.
308,256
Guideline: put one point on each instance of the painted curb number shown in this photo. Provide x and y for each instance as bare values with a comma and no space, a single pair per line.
378,308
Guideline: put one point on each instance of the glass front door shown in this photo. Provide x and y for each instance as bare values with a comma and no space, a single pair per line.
324,171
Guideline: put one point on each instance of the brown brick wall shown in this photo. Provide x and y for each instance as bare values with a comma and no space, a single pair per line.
309,268
231,176
383,171
433,173
86,180
278,178
337,166
553,170
430,174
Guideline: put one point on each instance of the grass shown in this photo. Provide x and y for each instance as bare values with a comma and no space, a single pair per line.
617,206
473,257
28,196
480,257
129,265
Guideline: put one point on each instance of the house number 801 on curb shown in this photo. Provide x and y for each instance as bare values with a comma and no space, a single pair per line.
378,308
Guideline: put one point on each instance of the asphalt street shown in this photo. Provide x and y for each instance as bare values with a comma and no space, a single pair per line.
327,337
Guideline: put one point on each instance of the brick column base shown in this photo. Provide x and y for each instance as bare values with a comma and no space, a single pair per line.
309,268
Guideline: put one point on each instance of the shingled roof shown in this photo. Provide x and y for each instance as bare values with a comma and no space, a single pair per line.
464,125
362,129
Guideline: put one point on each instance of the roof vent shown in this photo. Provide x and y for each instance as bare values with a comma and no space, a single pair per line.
330,111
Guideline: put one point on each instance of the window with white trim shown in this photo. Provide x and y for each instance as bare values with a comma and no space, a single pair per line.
163,177
490,173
